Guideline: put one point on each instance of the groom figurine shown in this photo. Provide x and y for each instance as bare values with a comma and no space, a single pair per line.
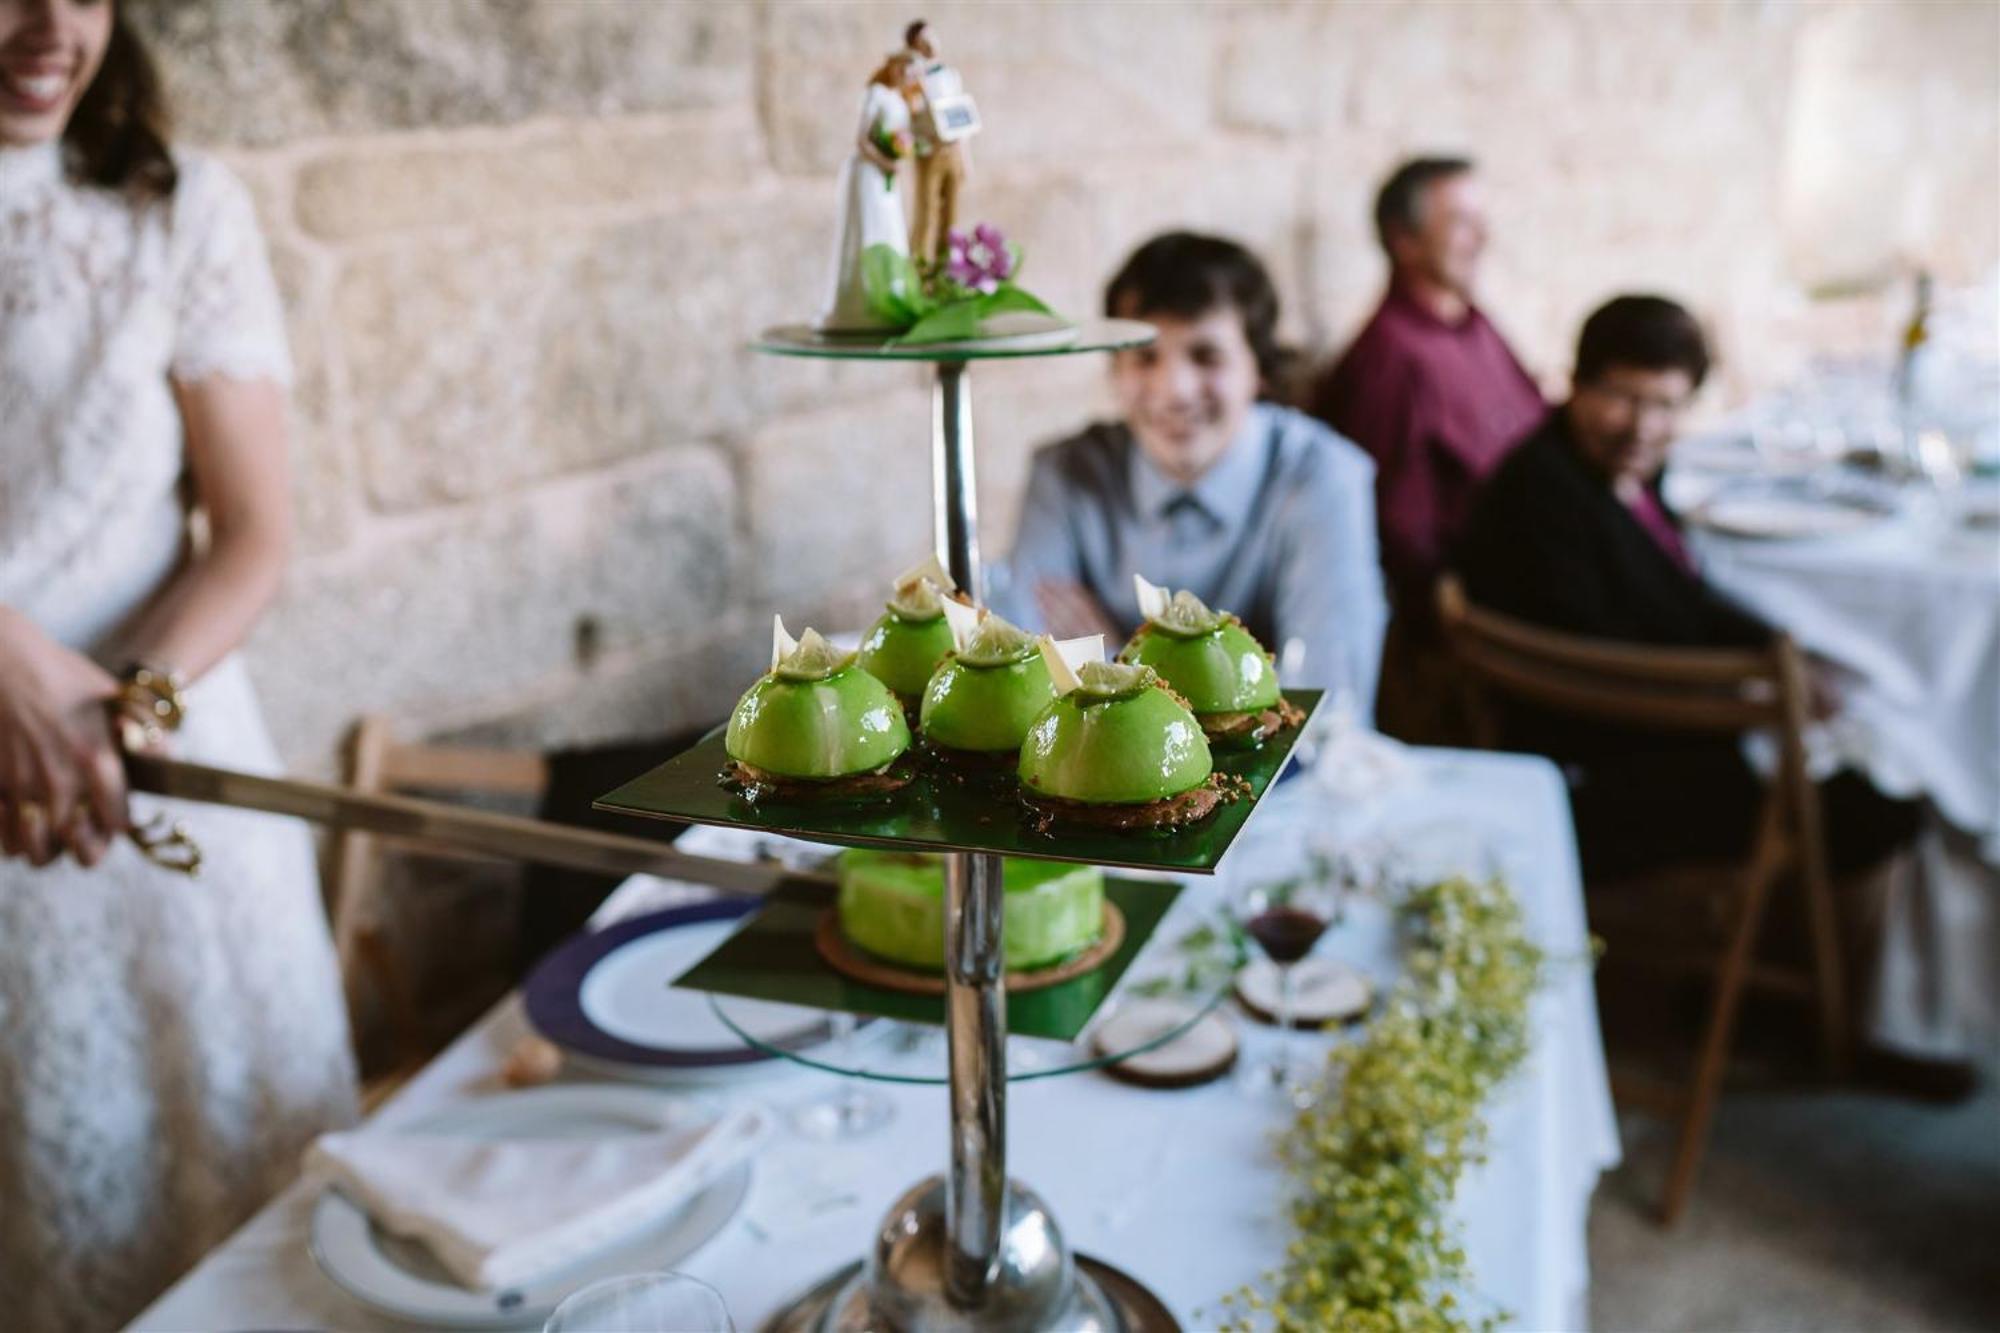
944,120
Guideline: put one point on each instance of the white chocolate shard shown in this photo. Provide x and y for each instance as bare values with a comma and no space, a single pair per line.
1153,600
963,620
1089,648
1061,674
933,569
783,645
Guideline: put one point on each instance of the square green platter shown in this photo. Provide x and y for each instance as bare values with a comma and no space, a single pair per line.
937,814
773,958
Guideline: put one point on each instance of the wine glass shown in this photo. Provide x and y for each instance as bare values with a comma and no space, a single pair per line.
1285,918
642,1303
852,1108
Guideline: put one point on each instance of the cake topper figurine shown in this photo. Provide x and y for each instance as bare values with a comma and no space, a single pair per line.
944,120
871,209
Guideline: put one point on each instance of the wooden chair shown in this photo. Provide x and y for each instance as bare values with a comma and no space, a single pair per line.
1689,690
378,763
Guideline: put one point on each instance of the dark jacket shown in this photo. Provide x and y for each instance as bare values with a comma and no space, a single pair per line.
1550,543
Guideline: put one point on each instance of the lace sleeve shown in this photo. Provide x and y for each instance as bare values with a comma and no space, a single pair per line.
227,317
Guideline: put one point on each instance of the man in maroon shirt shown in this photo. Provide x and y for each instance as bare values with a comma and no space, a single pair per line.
1431,390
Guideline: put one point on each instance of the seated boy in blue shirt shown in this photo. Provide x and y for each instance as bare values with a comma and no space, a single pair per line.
1257,509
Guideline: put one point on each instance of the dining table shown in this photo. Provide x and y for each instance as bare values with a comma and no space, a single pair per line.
1181,1189
1895,589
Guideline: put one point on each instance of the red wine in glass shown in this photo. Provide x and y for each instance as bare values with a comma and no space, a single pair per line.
1286,934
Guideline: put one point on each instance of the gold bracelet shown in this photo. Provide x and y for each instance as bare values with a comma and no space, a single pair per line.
154,695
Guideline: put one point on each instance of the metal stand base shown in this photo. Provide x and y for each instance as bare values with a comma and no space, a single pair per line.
1115,1299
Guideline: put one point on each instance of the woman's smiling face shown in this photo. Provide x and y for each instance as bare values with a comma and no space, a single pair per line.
50,50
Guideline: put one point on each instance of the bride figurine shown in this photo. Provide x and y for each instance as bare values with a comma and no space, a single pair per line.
871,210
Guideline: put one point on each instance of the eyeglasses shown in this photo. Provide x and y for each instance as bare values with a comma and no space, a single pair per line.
1638,403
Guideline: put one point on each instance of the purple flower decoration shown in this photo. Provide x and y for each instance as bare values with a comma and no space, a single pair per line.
979,262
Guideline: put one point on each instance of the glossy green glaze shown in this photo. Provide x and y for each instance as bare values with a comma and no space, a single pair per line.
847,723
1119,751
1222,671
892,905
902,653
987,709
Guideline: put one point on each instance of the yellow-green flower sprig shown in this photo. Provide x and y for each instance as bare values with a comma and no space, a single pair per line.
1399,1117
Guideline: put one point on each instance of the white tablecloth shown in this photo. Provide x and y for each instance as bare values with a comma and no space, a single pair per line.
1912,607
1180,1189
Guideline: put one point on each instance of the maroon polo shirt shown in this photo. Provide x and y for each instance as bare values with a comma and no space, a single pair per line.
1438,405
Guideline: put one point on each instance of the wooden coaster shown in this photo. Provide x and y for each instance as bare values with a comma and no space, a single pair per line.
1202,1054
854,963
1325,992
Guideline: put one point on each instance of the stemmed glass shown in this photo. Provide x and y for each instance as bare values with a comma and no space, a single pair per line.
853,1108
1286,918
642,1303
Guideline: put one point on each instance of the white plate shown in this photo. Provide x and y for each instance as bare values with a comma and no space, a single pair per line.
398,1277
627,995
1780,517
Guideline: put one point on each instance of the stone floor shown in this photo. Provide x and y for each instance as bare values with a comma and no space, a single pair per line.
1816,1209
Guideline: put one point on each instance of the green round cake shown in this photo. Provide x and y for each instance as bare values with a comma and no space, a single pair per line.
983,697
1117,739
892,906
816,717
1216,665
904,646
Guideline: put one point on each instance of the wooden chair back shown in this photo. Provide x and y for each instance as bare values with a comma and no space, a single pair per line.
379,763
1725,691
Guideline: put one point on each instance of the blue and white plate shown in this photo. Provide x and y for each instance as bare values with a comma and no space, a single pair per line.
607,1000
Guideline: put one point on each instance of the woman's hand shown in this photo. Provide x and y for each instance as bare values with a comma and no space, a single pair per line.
62,784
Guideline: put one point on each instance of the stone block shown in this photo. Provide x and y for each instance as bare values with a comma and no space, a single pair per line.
648,694
1285,66
838,501
1046,77
317,67
483,178
478,366
451,617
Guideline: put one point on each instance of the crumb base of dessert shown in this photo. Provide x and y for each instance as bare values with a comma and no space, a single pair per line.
1252,728
754,784
1162,816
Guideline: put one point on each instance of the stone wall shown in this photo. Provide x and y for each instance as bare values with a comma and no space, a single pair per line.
547,494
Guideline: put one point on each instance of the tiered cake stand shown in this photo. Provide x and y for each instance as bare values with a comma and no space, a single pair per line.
969,1249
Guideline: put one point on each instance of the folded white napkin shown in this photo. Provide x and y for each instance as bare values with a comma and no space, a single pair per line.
1353,763
503,1212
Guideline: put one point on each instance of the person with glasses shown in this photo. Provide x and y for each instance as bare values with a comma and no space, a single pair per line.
1571,533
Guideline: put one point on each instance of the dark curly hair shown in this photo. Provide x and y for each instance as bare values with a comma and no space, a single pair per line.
117,136
1186,275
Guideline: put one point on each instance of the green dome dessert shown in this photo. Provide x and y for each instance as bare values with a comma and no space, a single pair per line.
1119,751
904,647
1213,663
815,724
892,906
981,699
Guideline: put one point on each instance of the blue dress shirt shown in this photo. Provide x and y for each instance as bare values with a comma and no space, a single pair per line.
1281,531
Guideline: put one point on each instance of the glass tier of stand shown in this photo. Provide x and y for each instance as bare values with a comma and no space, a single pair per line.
1166,992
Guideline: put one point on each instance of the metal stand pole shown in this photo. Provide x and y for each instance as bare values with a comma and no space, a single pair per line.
971,1249
975,998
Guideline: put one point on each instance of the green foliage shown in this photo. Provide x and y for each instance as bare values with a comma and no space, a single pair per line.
936,311
1378,1156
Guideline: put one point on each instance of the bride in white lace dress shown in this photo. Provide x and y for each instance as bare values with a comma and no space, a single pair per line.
167,1045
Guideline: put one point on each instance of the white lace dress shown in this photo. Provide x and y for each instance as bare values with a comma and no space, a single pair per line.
167,1046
